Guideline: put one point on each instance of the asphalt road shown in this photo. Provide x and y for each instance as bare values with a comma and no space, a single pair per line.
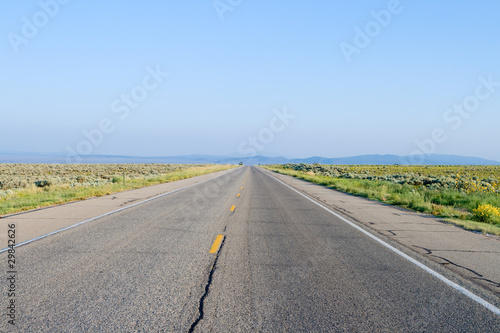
284,264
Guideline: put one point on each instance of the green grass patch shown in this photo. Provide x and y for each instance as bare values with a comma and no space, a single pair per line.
486,228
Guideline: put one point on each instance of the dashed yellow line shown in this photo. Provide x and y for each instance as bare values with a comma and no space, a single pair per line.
242,187
233,207
217,243
239,194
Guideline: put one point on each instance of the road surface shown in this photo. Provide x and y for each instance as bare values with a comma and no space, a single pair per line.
240,253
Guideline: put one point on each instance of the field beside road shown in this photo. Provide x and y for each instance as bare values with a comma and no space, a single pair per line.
468,196
29,186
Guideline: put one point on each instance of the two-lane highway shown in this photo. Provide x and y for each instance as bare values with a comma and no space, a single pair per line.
242,252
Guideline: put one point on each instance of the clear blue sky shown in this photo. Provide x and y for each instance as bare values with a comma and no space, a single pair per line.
226,76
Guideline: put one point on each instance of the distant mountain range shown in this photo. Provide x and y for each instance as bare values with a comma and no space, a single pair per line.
434,159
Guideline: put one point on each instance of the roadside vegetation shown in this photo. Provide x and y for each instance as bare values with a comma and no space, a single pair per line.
468,196
28,186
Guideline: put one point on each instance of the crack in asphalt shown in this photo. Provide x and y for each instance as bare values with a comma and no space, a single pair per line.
207,290
129,201
449,262
496,284
468,251
392,232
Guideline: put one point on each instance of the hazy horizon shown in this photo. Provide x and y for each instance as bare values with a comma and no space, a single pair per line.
299,80
424,159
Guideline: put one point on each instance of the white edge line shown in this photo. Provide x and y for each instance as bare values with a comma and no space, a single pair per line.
452,284
109,213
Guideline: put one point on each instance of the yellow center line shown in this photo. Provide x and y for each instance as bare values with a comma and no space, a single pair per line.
217,243
233,207
242,187
239,194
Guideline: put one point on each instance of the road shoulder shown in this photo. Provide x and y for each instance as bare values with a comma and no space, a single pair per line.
473,256
32,224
